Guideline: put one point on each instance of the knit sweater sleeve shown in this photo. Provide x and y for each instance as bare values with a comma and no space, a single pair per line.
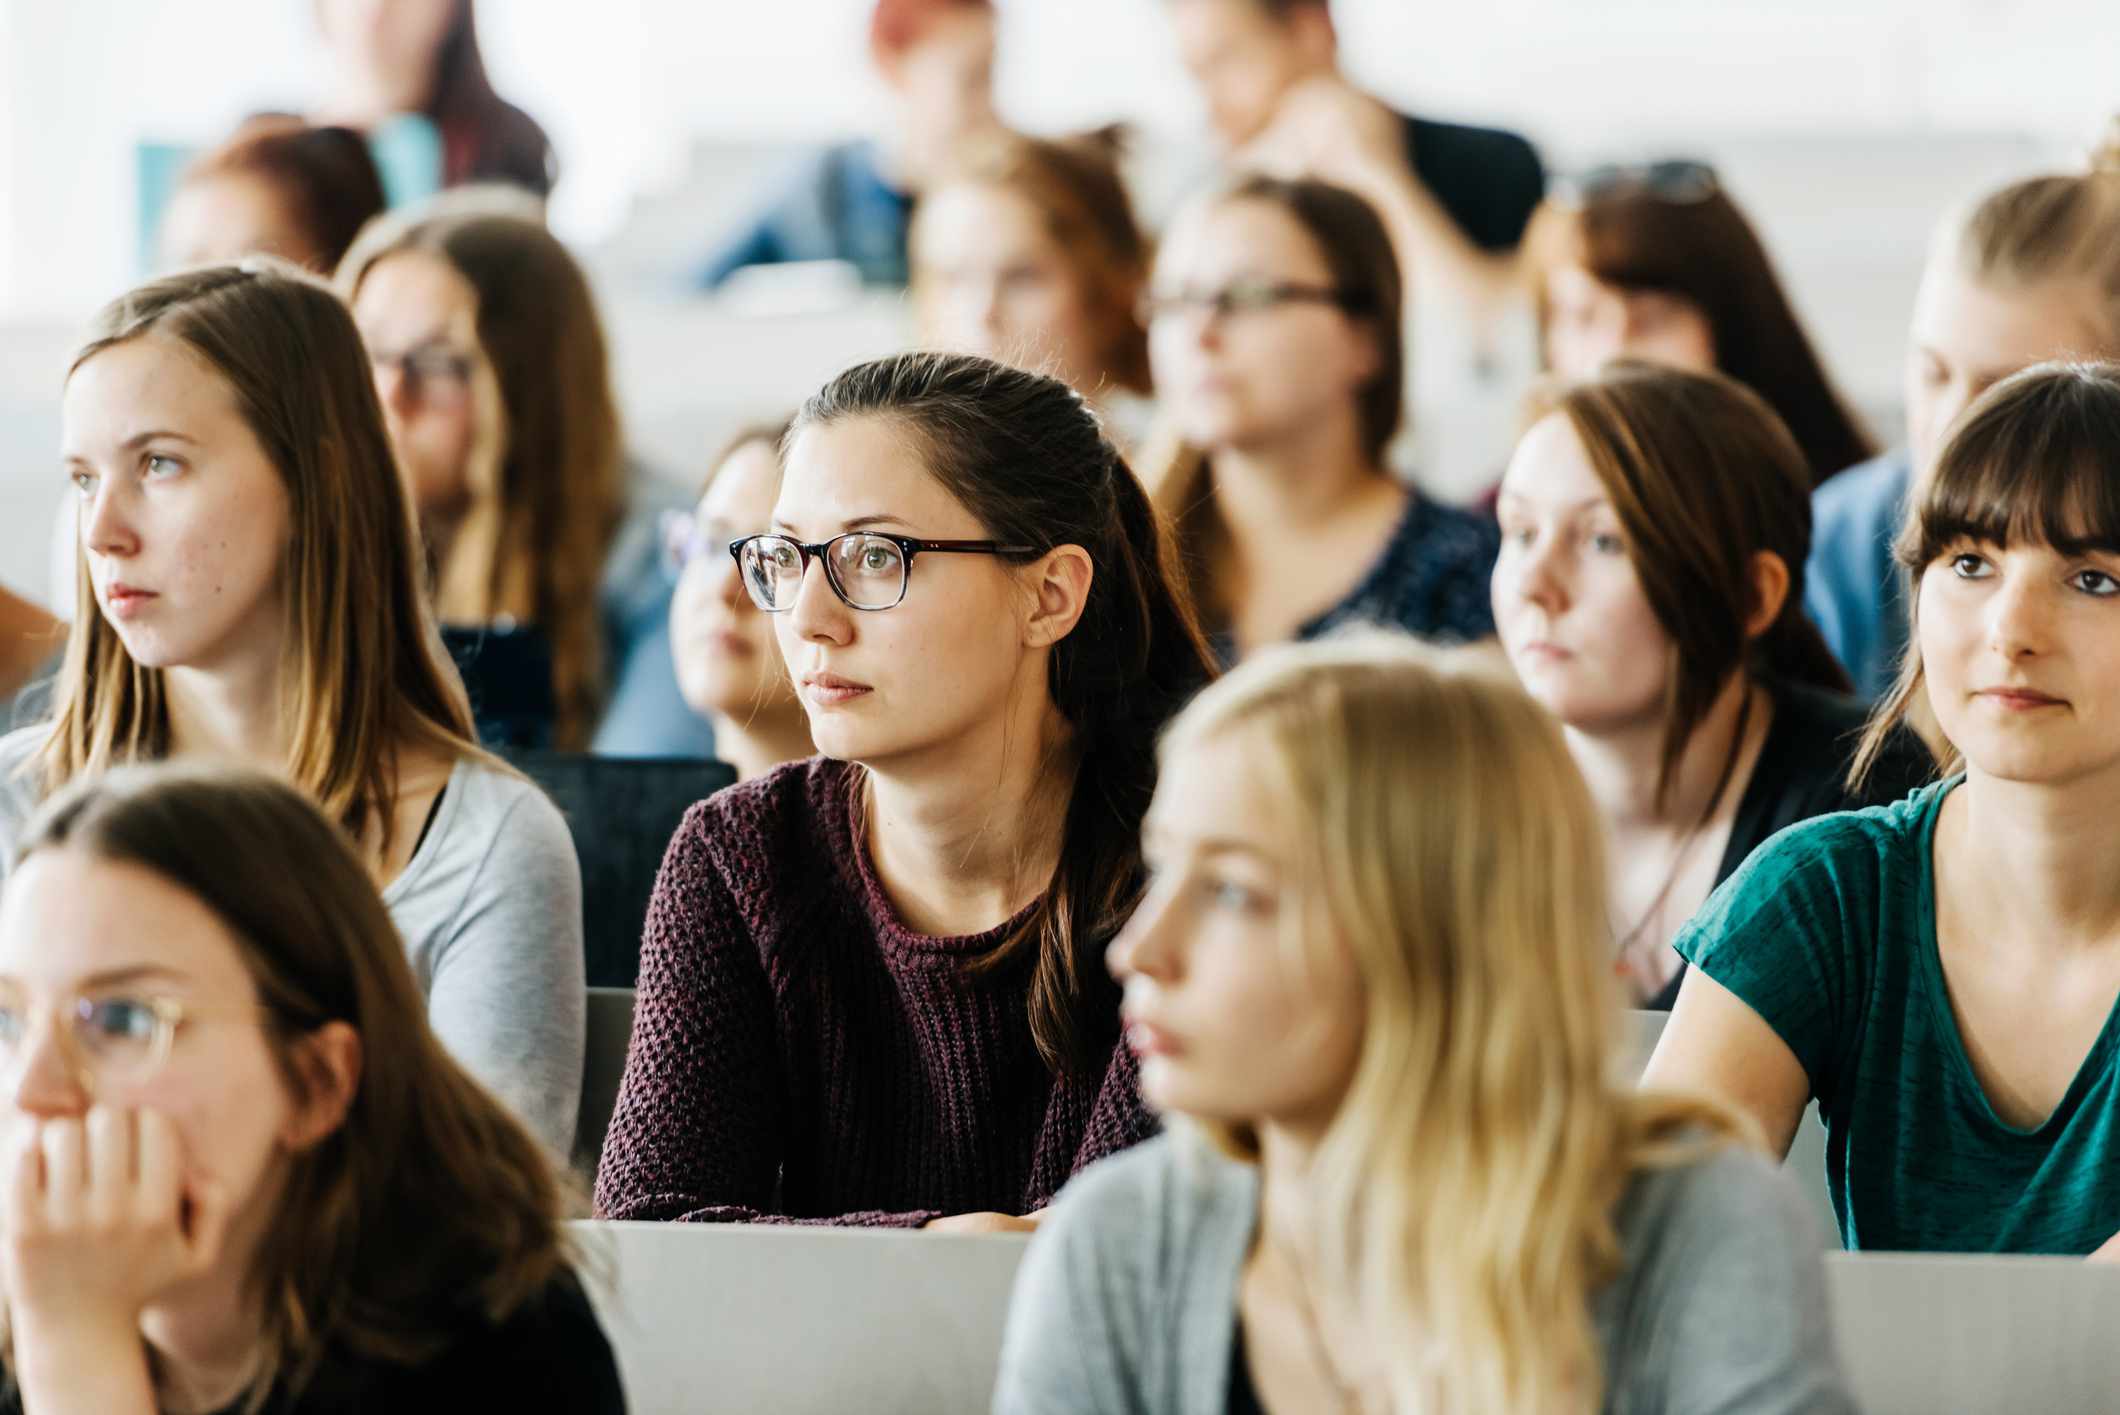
1120,1119
697,1133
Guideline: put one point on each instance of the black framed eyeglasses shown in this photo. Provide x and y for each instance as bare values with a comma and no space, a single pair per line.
868,570
1247,297
1680,181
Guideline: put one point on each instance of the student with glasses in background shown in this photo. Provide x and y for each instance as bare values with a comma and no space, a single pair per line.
728,660
1274,329
870,986
241,1172
1655,261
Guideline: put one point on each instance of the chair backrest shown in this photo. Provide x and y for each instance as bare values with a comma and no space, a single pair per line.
1923,1332
801,1321
603,1067
1807,1152
622,811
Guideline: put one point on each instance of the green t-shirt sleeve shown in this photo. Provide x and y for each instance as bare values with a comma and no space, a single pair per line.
1791,934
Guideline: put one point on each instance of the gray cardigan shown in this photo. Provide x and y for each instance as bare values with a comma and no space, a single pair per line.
1126,1302
490,908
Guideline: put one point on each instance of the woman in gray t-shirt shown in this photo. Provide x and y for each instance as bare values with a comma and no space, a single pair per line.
251,588
1371,977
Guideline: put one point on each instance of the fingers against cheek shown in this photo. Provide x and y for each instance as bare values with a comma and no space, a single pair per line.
110,1162
65,1170
25,1178
160,1166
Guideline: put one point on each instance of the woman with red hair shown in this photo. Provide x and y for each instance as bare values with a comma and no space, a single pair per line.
853,201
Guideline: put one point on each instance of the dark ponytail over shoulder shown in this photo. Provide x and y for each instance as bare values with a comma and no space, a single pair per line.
1027,456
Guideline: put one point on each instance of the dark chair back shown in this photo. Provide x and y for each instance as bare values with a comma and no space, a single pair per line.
622,811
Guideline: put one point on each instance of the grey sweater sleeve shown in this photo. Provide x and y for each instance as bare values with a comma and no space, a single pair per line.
1724,1308
504,973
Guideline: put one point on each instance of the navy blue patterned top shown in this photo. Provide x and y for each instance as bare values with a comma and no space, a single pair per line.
1431,581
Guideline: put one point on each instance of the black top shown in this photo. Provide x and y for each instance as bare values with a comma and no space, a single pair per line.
552,1355
1489,181
1243,1395
1801,773
507,672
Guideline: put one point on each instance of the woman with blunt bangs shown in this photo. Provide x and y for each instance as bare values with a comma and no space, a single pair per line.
249,588
1655,526
241,1173
1368,986
869,987
1940,975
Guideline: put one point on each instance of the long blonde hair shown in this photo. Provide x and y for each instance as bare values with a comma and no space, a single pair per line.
363,674
1466,1187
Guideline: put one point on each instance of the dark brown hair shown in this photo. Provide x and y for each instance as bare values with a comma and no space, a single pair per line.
1706,252
2036,459
1356,248
429,1207
362,672
1076,187
484,136
1703,478
535,544
324,177
1026,456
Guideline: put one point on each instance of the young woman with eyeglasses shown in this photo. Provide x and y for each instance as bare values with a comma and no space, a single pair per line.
248,587
239,1171
728,660
870,988
491,362
1275,315
1655,261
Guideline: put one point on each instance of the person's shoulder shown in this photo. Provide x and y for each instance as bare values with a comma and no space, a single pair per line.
1465,140
507,808
1442,530
788,819
1154,1209
20,787
1722,1186
551,1353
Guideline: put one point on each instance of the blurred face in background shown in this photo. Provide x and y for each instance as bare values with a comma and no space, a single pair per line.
943,81
992,279
1269,370
388,47
224,216
419,318
728,661
1589,321
1969,334
1244,60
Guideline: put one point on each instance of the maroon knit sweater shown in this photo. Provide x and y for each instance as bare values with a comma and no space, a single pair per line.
800,1055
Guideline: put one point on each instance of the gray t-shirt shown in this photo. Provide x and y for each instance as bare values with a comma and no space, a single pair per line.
490,908
1126,1303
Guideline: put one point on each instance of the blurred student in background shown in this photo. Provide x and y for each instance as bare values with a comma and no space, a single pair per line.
248,587
392,57
1027,251
1368,989
2030,272
728,660
277,187
243,1172
1455,199
1655,525
494,374
1275,334
1656,262
852,202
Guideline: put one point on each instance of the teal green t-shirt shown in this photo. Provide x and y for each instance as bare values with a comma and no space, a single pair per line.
1829,933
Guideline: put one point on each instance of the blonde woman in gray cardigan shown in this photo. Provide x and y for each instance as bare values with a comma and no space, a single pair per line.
1372,986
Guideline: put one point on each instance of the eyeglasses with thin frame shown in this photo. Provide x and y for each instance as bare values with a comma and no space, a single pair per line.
109,1038
1241,297
868,570
688,537
1679,181
430,372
